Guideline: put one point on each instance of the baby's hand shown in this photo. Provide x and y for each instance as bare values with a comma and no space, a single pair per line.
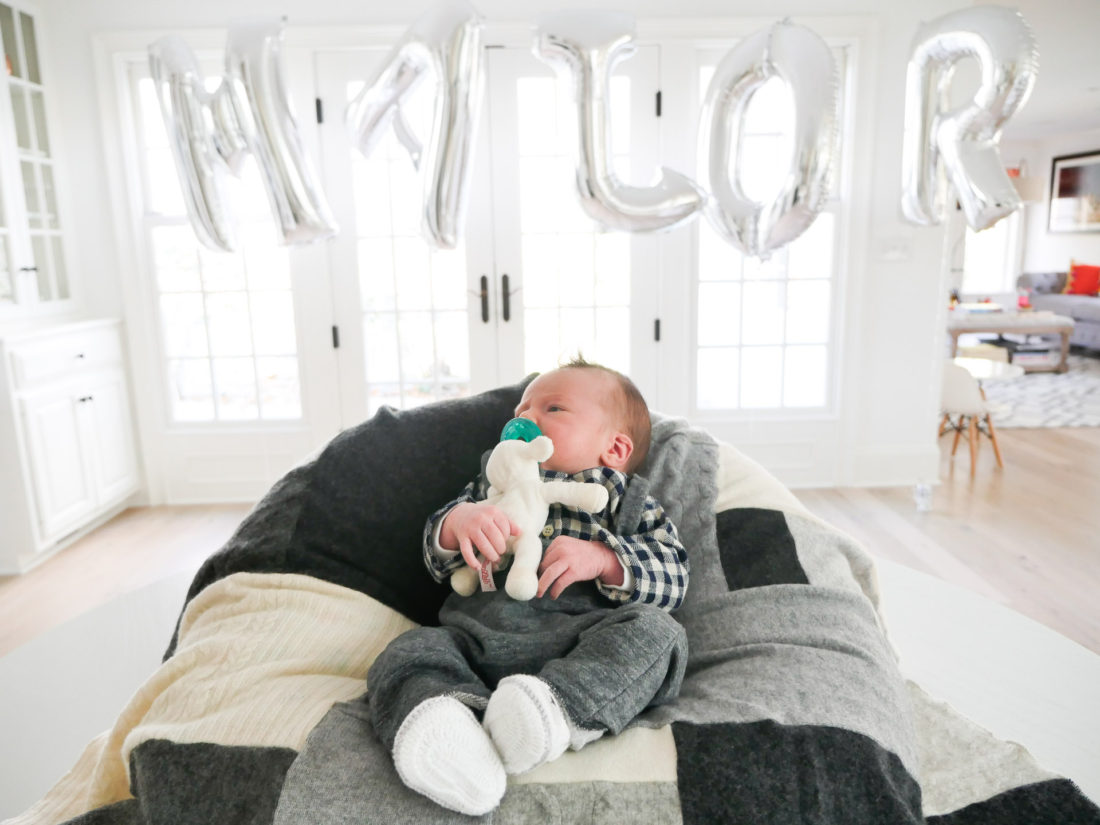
568,560
477,527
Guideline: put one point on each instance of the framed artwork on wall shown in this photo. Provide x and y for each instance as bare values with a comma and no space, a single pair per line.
1075,193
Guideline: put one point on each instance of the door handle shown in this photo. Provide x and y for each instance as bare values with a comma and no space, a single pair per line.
505,298
484,299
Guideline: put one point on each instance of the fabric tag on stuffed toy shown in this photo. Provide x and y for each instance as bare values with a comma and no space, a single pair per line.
486,576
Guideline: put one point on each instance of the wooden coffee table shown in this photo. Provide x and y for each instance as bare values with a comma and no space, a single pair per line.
1015,323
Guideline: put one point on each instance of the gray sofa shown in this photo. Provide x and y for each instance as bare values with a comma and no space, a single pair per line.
1046,294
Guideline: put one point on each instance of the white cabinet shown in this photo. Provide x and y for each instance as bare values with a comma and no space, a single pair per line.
33,275
67,437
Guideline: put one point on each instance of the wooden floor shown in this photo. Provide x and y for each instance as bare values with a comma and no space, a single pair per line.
137,547
1027,536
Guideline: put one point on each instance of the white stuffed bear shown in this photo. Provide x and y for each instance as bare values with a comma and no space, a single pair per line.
517,489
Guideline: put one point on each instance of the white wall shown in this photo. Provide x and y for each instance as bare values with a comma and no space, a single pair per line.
1046,251
892,336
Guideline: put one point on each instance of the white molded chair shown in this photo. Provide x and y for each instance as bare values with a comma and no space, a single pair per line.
964,408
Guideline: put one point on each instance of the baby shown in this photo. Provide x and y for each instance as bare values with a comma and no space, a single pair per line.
593,649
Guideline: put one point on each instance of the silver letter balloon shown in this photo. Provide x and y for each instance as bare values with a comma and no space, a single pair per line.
959,144
445,46
210,133
588,45
803,61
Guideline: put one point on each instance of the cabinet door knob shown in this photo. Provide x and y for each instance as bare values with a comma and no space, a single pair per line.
80,355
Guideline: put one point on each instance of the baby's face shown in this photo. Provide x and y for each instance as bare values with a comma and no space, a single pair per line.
573,408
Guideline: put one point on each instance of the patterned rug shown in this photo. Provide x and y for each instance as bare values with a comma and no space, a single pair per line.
1049,399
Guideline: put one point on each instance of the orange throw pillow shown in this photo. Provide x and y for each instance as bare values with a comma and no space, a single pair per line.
1083,279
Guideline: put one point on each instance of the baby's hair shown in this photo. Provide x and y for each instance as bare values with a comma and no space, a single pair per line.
632,407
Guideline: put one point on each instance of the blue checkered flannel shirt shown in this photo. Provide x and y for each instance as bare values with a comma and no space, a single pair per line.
651,551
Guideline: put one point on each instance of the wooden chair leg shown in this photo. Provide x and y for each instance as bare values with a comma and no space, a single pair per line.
972,434
993,438
958,432
944,423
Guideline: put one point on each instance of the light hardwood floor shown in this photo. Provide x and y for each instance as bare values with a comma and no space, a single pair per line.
1027,536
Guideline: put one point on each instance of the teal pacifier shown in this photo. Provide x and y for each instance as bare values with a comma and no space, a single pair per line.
520,429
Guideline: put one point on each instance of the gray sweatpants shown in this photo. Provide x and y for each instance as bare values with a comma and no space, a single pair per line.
605,664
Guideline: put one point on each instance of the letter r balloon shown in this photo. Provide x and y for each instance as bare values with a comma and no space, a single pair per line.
959,144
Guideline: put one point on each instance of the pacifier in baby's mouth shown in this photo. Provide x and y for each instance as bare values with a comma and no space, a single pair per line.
520,429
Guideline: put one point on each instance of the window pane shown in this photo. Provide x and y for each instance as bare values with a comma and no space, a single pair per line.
719,314
540,271
808,312
42,139
612,347
229,323
30,47
22,123
414,331
804,375
372,204
175,259
221,271
49,198
762,312
380,347
810,255
376,279
577,280
273,323
165,197
718,378
192,396
613,269
235,385
30,192
761,376
449,279
540,352
280,393
184,325
719,260
453,347
406,197
412,265
576,332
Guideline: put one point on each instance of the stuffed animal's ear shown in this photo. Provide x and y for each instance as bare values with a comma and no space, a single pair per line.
540,448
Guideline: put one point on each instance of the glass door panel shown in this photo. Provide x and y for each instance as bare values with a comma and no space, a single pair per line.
577,288
35,163
404,309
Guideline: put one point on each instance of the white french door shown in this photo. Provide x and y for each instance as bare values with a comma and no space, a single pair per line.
533,280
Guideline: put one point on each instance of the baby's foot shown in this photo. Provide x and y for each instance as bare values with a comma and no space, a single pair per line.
442,752
526,723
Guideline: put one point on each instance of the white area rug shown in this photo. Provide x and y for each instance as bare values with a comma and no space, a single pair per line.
1049,399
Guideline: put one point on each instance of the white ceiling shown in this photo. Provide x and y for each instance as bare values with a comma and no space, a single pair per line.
1066,97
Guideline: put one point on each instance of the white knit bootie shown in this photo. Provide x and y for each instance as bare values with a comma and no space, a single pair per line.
526,723
442,752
